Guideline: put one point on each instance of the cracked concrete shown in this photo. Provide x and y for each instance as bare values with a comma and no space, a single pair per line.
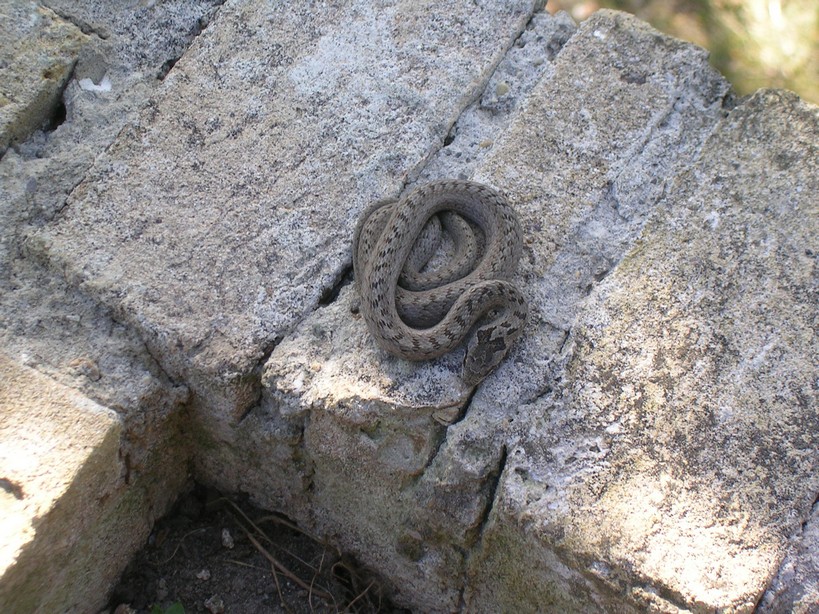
197,278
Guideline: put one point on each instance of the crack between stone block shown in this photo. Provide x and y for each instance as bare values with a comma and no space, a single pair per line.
254,375
813,510
327,297
477,93
442,437
461,607
331,292
171,379
493,481
82,25
199,26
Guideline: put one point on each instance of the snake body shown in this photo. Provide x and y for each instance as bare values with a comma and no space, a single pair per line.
419,315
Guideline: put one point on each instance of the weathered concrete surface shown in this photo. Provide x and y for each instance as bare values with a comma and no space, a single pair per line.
621,111
62,496
342,427
44,322
473,136
47,325
124,55
52,327
37,55
213,254
680,449
602,142
211,227
796,587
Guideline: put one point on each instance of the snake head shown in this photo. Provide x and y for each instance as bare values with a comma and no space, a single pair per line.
487,347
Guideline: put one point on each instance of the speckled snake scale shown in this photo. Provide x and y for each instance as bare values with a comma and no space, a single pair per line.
417,314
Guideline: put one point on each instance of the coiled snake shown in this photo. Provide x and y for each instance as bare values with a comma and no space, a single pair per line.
417,314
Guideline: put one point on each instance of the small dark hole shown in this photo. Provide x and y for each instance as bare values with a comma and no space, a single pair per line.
57,118
166,68
331,294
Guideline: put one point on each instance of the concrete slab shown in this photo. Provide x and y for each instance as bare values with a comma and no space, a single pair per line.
590,471
76,524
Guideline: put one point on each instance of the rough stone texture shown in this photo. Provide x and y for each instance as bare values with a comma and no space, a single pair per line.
128,50
473,136
796,587
133,41
56,329
213,254
44,322
620,112
50,326
650,443
353,430
62,497
680,449
37,56
600,145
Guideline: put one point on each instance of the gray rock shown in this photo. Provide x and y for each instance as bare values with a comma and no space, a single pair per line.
679,449
132,466
796,586
585,173
44,322
651,441
59,452
37,56
584,167
472,137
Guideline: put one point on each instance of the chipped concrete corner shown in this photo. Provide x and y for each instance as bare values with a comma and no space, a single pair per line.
651,443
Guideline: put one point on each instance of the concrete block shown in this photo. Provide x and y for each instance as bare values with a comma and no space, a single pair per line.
64,506
678,452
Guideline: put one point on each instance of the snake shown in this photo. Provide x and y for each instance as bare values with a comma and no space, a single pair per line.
419,314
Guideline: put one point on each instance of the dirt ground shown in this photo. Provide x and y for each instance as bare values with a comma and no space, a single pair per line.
213,554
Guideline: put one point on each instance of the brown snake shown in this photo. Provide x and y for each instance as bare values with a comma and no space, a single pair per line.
418,315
